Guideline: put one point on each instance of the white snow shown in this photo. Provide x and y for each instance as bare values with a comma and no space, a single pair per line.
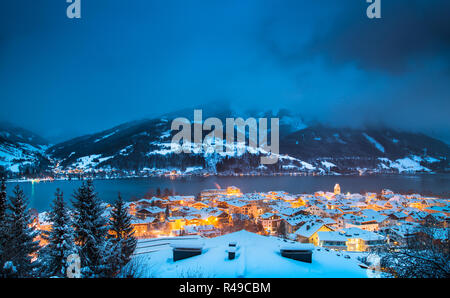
416,158
287,167
87,162
256,257
166,149
166,134
407,164
328,164
32,148
126,151
193,169
208,148
307,165
374,142
12,157
105,136
430,159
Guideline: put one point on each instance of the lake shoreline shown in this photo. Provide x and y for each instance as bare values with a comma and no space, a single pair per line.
174,177
42,193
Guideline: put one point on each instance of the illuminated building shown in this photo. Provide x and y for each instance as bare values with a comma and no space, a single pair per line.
351,239
337,189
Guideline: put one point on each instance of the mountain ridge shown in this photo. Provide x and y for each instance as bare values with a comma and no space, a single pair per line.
142,147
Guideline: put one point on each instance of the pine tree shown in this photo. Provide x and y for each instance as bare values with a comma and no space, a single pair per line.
90,232
167,212
60,240
20,247
123,241
3,224
3,203
281,229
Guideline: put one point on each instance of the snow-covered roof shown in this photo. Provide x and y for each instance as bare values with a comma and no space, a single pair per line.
287,210
148,201
267,215
192,229
143,221
309,228
400,215
151,210
404,230
331,236
373,215
188,244
237,203
361,234
418,215
334,212
256,256
181,198
297,246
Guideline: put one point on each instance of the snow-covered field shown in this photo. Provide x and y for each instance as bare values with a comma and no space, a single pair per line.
256,256
410,164
12,157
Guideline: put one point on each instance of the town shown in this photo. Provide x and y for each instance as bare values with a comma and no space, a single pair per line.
334,220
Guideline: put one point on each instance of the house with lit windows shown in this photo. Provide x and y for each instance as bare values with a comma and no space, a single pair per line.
270,222
350,239
307,233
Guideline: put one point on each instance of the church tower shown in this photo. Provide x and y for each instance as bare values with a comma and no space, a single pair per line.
337,189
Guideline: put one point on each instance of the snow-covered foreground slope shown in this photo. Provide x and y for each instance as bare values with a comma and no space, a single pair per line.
256,257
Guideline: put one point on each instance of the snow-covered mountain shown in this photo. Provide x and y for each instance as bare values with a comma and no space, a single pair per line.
146,146
21,150
368,150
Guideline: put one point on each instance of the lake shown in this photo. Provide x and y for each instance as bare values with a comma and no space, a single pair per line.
41,194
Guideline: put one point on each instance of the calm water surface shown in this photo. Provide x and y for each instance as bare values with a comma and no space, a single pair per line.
41,194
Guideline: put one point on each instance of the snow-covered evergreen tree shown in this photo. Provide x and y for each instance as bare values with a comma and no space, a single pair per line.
167,212
123,241
91,231
60,240
3,203
3,224
20,248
